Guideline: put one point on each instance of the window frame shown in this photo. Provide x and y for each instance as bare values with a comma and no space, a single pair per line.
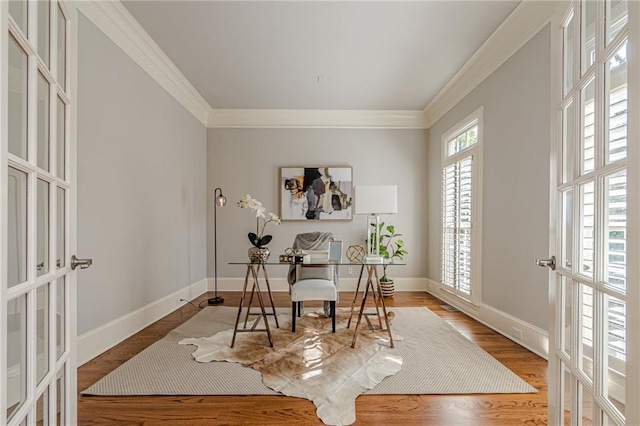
476,118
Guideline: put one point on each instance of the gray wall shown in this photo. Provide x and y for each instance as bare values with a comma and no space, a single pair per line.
141,186
516,100
244,161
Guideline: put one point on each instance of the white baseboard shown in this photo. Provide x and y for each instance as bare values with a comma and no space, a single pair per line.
534,338
99,340
346,284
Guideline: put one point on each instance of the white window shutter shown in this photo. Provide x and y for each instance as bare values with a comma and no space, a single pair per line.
457,186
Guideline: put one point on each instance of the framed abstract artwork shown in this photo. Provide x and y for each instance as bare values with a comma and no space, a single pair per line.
316,193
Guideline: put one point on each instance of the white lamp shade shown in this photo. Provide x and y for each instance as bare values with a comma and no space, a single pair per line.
376,199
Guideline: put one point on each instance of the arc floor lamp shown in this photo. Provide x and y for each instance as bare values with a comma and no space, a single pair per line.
219,200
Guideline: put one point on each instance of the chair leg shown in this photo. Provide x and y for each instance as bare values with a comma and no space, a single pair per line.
333,316
293,316
299,309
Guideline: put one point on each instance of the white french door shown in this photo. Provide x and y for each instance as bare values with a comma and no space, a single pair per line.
37,214
593,355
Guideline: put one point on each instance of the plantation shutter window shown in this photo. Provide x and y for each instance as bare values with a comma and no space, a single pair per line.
456,202
460,208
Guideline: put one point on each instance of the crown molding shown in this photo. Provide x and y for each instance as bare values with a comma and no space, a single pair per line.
526,20
123,29
290,118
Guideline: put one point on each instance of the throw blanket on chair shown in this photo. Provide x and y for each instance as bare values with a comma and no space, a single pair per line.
312,241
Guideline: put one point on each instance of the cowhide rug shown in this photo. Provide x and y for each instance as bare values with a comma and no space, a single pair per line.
311,363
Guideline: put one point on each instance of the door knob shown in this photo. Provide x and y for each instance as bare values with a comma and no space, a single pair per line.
82,263
551,263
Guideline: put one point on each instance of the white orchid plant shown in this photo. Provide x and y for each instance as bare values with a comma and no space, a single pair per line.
258,239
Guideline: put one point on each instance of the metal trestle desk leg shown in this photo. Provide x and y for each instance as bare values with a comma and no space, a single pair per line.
255,288
373,285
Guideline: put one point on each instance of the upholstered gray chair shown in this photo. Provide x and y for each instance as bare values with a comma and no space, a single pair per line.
313,282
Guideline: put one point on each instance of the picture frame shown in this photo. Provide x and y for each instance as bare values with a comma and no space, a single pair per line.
335,251
323,193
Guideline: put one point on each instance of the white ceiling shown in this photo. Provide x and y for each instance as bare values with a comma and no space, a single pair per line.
368,55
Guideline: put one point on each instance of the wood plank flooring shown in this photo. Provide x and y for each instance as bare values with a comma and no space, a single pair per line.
445,410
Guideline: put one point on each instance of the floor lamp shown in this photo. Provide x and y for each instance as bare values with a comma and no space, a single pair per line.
220,200
374,201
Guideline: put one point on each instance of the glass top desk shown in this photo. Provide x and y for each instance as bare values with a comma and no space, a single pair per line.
372,285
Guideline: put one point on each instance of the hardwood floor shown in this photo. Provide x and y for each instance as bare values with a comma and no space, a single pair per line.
446,410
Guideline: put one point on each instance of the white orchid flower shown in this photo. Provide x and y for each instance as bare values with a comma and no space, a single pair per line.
248,202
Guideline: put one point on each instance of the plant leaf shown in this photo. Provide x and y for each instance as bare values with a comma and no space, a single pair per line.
266,239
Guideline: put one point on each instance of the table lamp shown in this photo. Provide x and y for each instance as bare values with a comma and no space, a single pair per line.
374,201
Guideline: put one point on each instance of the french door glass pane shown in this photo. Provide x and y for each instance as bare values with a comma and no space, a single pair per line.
587,407
586,229
588,129
615,222
567,52
62,50
17,229
616,330
16,354
588,34
17,111
606,421
566,314
616,102
616,16
616,352
60,316
586,328
19,12
567,142
43,30
567,229
42,408
60,250
42,258
60,139
60,400
566,397
42,332
43,122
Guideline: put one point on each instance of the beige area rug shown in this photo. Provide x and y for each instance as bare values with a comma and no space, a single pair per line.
436,360
311,363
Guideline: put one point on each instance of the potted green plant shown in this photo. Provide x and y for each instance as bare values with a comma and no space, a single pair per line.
390,246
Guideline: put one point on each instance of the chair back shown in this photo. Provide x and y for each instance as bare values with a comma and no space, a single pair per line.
312,241
318,272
